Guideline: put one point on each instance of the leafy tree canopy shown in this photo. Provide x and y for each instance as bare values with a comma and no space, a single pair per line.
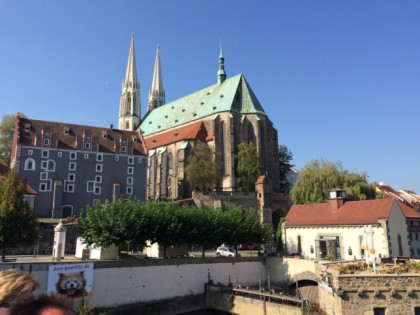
248,166
168,223
318,177
7,127
18,223
202,172
285,159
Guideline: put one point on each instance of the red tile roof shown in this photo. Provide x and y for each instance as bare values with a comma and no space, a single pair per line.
66,135
351,213
409,212
192,131
4,170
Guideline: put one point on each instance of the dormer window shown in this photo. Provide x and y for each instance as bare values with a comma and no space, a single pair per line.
123,149
46,142
87,145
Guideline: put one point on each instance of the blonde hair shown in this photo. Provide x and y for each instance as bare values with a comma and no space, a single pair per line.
13,283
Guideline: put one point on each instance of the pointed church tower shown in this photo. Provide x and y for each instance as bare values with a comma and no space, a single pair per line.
156,93
129,116
221,74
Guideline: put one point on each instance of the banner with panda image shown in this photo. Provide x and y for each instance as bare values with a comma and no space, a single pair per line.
72,280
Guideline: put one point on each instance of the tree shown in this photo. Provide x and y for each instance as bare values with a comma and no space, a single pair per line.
118,223
248,166
285,157
318,177
202,172
7,127
18,223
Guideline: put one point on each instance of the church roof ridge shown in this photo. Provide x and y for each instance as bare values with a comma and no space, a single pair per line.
203,103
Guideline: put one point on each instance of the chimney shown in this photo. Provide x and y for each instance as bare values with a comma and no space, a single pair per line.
337,198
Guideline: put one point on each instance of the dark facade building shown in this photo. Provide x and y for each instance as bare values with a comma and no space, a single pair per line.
73,166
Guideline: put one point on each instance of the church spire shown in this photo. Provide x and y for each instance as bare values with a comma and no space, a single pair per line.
221,74
129,115
156,92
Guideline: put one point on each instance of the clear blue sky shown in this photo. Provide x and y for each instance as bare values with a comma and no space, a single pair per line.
339,79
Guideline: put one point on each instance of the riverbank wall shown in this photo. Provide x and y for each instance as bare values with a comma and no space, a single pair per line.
144,282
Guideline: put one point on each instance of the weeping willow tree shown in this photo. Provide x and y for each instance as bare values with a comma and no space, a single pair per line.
318,177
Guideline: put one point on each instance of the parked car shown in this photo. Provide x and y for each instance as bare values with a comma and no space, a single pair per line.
226,252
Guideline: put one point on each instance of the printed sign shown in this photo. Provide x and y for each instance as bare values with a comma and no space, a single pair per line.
71,280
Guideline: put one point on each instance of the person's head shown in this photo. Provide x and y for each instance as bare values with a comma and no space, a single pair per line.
43,305
15,285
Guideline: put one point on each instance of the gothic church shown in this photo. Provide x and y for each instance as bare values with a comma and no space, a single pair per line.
222,115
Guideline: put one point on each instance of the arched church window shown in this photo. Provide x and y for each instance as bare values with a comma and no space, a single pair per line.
29,165
263,147
250,133
222,147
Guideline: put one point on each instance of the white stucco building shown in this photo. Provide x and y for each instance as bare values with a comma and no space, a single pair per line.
338,228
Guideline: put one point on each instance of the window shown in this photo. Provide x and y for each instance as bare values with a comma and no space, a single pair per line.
140,160
71,177
130,170
87,146
45,186
417,310
73,155
129,180
44,165
45,153
117,158
66,131
99,167
123,149
96,202
130,160
46,142
97,190
42,187
30,152
43,176
418,251
72,166
29,165
98,179
129,190
60,154
417,236
51,165
86,156
90,186
379,311
99,157
68,187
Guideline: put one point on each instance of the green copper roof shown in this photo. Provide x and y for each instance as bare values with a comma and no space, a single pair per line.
232,95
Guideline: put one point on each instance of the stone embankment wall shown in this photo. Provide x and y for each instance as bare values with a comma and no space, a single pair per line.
225,301
360,294
144,282
283,270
